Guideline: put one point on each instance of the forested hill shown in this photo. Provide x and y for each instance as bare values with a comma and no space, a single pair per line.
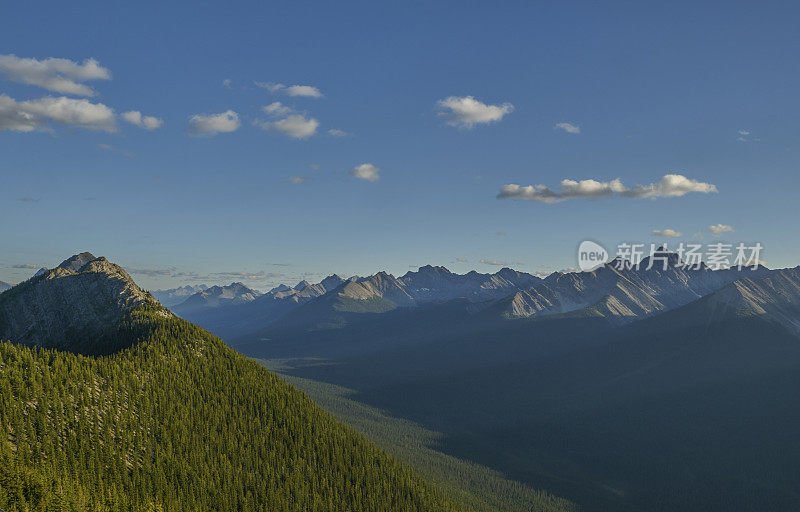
174,420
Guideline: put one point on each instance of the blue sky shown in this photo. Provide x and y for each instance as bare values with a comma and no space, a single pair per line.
654,90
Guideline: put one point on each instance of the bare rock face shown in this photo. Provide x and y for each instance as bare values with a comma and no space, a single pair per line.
75,263
70,304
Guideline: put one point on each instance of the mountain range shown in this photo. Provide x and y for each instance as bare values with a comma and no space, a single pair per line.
624,388
235,309
379,292
673,388
108,401
616,291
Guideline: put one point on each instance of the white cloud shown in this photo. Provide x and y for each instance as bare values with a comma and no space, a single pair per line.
568,127
466,112
570,189
147,122
718,229
227,83
306,91
27,116
333,132
495,263
208,125
277,109
303,90
57,75
298,179
288,121
745,136
590,188
366,172
296,126
461,260
270,86
671,185
667,233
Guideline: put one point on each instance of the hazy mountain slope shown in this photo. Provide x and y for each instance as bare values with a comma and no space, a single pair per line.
382,292
175,296
4,286
378,293
174,420
215,297
775,298
262,311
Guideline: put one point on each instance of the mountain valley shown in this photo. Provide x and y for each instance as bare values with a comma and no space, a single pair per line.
673,363
619,389
110,402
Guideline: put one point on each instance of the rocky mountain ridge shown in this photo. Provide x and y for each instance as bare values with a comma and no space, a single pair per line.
216,297
616,291
80,300
250,315
623,292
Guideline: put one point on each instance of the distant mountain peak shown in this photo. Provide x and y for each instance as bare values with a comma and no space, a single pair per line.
216,296
331,282
302,285
434,269
660,257
508,272
428,271
174,296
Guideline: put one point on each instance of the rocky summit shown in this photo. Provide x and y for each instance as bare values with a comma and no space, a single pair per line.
79,301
